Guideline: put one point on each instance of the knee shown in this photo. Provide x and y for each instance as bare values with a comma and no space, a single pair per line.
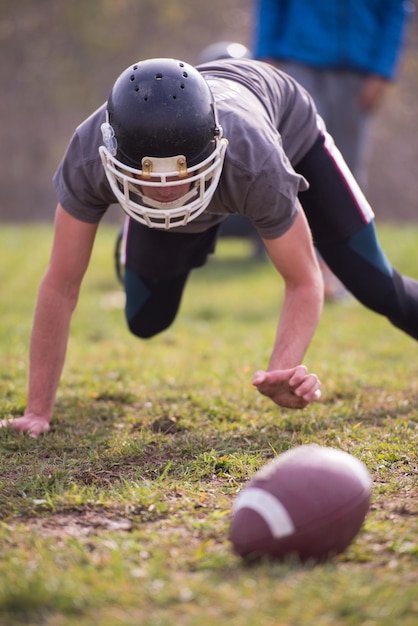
145,328
140,330
152,305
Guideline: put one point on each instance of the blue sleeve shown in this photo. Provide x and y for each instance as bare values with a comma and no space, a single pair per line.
365,35
391,38
268,16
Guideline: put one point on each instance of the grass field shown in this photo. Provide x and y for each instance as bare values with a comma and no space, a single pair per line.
120,515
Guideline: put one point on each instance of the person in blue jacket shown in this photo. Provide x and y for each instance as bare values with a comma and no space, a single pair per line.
344,53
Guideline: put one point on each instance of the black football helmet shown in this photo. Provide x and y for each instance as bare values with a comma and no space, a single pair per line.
162,131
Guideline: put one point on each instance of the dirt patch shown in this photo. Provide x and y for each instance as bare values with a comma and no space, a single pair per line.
76,524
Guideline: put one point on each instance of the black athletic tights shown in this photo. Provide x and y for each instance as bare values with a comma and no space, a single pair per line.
344,233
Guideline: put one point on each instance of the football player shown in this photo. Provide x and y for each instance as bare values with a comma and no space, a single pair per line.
180,148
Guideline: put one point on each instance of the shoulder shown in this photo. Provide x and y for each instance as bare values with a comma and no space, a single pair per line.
262,108
80,181
257,76
89,133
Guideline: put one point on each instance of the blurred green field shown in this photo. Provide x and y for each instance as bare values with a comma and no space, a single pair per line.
120,515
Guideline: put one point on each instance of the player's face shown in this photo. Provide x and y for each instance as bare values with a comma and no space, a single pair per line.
167,193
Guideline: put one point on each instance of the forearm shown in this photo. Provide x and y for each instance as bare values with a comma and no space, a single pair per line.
48,348
299,318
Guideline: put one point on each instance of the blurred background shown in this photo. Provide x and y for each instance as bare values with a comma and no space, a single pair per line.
59,59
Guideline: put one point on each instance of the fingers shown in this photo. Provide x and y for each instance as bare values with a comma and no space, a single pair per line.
259,377
317,394
306,386
298,376
291,388
33,426
276,377
309,389
271,383
312,395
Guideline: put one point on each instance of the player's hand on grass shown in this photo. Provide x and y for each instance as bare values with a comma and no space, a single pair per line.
292,388
32,424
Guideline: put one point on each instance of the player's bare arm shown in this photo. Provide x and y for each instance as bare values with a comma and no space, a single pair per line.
286,381
57,298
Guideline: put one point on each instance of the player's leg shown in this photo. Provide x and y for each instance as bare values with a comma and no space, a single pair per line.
156,266
342,226
363,268
152,304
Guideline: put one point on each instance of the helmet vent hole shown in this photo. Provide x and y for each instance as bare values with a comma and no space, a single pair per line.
158,76
182,86
174,97
132,77
185,75
137,88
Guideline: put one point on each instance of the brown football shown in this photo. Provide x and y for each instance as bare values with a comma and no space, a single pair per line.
308,503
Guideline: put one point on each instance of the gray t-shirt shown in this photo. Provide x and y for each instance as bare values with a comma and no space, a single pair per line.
270,123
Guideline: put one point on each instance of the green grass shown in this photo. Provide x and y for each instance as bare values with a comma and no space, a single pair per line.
120,515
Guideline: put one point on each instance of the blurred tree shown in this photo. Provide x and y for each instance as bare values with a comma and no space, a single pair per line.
58,61
59,58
